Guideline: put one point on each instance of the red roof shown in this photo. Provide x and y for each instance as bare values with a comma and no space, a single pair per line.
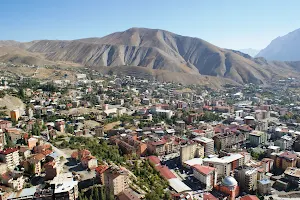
198,131
288,155
250,197
204,169
165,172
8,151
154,160
209,196
161,142
101,169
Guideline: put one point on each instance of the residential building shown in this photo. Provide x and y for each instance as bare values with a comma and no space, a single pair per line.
190,151
2,140
129,144
26,193
267,164
32,142
285,160
264,186
100,172
15,115
224,165
206,175
207,143
60,125
257,137
247,178
116,179
157,147
11,157
99,131
285,142
52,169
292,175
15,181
65,187
229,139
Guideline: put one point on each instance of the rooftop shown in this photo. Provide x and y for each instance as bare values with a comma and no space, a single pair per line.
292,171
203,139
178,185
165,172
250,197
203,169
223,160
22,194
288,155
64,186
8,151
256,133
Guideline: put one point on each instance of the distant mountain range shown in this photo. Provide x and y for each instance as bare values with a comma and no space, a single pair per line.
285,48
251,52
156,50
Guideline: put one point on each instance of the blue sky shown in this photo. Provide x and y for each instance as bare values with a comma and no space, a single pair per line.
232,24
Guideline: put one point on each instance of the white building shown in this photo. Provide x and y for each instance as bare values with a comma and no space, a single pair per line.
225,164
206,175
11,157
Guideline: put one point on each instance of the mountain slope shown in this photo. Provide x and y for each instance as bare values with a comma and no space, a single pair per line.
155,49
285,48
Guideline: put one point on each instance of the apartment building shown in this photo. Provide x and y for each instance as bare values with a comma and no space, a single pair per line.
15,181
65,187
247,178
11,157
257,137
285,160
229,139
190,151
116,179
129,144
207,143
292,174
206,175
224,165
2,140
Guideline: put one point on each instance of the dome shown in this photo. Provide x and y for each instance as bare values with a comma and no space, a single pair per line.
229,181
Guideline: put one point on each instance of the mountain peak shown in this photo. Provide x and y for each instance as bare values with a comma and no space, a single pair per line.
284,48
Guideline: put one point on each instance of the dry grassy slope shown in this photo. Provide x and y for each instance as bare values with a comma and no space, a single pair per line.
155,49
166,76
11,103
17,55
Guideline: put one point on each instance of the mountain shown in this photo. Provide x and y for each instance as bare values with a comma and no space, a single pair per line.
251,52
285,48
153,53
155,49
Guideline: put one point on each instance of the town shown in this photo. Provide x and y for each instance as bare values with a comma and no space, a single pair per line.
108,137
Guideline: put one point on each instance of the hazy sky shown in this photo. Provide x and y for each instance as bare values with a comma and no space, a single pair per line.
232,24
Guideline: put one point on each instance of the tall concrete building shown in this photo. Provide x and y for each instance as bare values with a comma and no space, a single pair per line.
247,178
11,157
226,164
116,179
207,143
190,151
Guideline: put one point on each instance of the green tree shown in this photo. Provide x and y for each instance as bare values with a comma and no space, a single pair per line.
102,194
96,194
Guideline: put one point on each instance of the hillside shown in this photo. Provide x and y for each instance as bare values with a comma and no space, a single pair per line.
285,48
152,52
155,49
